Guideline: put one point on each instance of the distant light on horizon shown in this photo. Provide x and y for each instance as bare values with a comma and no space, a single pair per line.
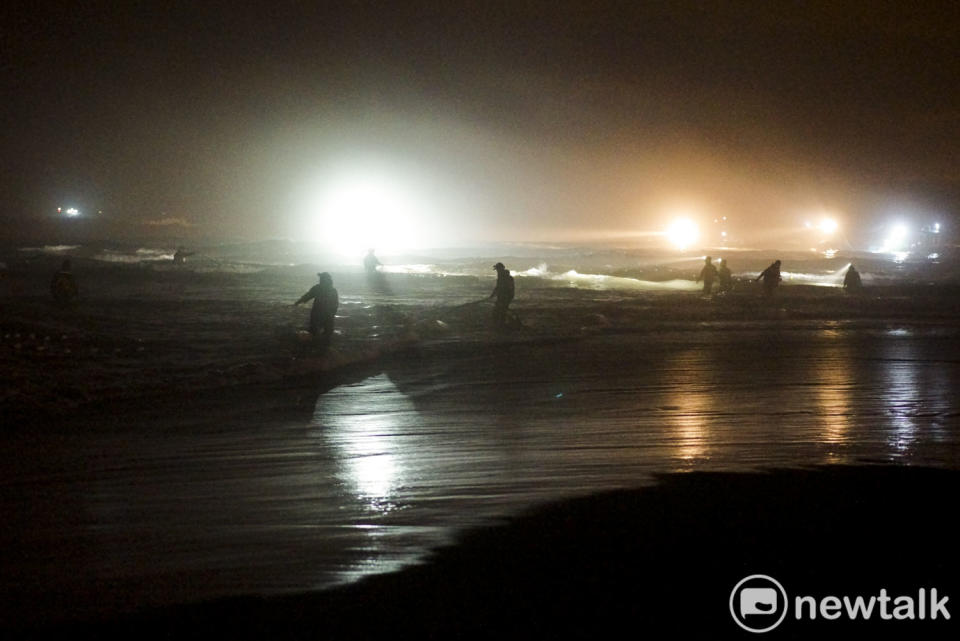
71,212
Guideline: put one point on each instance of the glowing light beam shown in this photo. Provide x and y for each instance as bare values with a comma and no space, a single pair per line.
682,233
363,208
828,226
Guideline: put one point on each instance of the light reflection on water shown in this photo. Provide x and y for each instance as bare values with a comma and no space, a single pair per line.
690,421
833,392
636,406
371,462
368,476
903,399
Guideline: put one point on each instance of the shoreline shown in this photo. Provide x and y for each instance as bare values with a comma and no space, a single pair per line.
660,556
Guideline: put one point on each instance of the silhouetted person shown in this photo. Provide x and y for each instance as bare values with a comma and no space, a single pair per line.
325,303
708,274
852,282
376,280
724,277
63,286
771,278
180,256
504,292
371,262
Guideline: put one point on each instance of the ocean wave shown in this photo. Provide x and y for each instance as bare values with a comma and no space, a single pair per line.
421,269
139,255
224,268
539,265
819,279
573,278
569,278
50,249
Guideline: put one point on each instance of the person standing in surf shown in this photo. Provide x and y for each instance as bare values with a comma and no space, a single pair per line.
503,291
371,263
708,274
771,278
63,286
375,278
725,277
852,281
324,310
180,256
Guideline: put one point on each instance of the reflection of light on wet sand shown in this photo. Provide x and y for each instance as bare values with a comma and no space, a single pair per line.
688,423
902,396
374,474
365,438
834,385
688,410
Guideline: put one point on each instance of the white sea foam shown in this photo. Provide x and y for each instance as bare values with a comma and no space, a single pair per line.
139,255
541,271
50,249
422,269
573,278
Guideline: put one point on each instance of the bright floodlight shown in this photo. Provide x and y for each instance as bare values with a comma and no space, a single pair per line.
828,226
897,239
72,212
360,209
683,233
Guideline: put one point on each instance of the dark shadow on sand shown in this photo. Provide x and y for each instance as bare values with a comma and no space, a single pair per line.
658,562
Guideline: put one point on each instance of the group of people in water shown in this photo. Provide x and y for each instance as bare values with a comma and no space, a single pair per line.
326,300
724,278
770,276
710,273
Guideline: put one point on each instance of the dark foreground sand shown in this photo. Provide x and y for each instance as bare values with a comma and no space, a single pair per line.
658,562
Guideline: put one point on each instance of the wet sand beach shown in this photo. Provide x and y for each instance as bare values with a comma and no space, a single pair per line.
648,563
225,459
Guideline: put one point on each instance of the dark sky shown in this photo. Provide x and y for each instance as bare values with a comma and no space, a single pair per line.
532,119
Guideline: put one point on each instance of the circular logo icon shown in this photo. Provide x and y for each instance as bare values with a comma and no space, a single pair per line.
758,603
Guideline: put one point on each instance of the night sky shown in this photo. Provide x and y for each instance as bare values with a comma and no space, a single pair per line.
517,120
